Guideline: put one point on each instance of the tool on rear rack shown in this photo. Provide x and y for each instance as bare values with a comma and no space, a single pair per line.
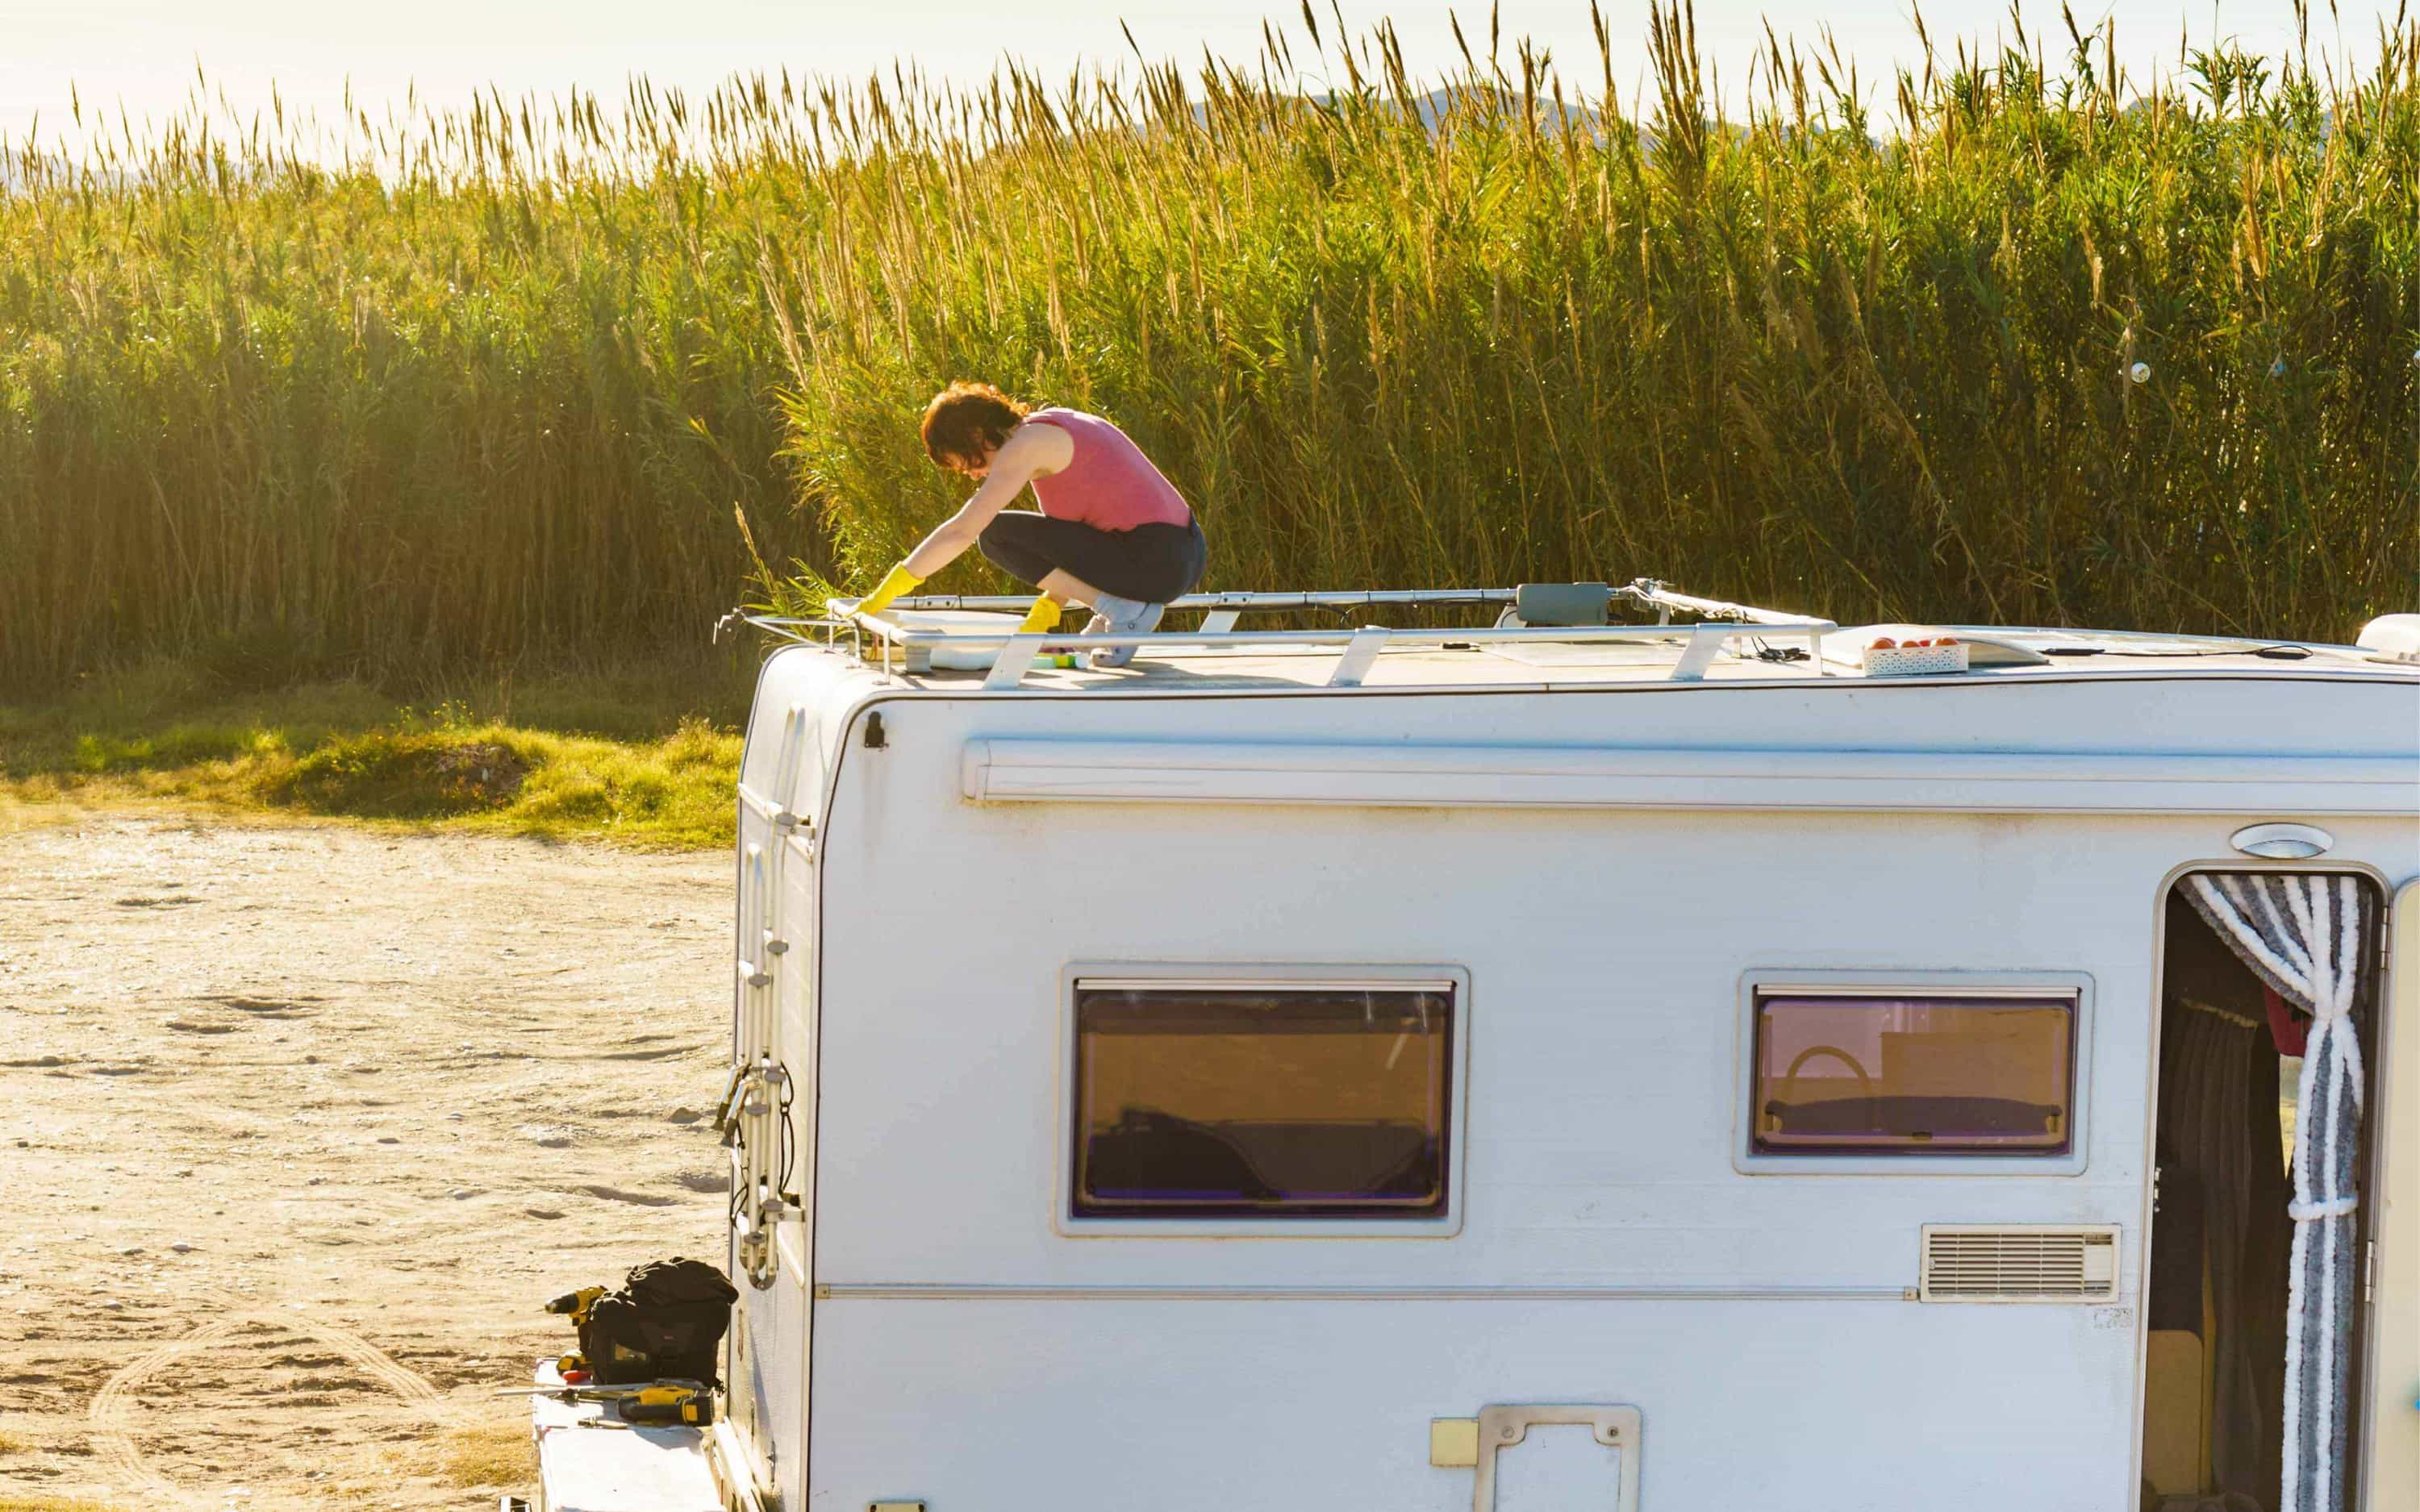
691,1406
688,1403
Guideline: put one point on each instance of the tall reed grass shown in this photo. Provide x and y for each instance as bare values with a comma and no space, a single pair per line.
2036,344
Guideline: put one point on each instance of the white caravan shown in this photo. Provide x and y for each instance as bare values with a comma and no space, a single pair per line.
1706,1063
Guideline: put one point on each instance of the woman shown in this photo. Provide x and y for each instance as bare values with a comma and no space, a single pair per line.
1114,535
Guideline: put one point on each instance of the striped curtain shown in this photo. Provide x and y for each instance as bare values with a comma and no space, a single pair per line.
2305,936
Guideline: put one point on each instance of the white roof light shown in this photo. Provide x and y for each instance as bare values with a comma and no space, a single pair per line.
2394,636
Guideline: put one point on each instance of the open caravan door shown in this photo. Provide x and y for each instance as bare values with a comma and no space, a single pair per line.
2393,1482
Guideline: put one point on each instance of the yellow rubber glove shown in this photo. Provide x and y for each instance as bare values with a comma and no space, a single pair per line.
899,581
1042,618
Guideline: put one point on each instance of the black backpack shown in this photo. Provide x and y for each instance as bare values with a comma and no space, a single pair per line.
666,1324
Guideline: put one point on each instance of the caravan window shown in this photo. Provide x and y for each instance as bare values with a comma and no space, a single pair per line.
1914,1073
1247,1100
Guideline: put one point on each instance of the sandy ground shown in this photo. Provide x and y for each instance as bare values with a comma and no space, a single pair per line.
302,1125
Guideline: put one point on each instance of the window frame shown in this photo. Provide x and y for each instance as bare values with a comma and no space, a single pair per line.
1272,977
1784,981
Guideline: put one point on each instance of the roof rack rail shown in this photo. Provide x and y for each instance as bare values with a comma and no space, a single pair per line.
1652,593
1222,610
1006,658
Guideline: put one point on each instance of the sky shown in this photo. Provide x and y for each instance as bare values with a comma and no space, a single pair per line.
144,54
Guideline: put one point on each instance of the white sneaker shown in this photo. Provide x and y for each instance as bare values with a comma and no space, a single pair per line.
1121,616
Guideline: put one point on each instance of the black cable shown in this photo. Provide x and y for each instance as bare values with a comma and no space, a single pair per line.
2274,653
785,1138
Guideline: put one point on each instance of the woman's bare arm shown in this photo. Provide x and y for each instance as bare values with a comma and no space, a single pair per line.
1033,451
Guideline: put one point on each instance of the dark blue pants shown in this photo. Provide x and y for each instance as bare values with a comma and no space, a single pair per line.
1154,563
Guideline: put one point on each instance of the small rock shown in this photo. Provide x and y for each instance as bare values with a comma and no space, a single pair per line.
686,1114
132,1249
461,1192
454,1118
388,1139
182,1248
310,1061
113,1306
541,1212
316,1181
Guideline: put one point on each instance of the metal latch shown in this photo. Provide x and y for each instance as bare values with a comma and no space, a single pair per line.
755,1089
726,1107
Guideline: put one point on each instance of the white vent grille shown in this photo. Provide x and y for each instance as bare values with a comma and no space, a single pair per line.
2019,1262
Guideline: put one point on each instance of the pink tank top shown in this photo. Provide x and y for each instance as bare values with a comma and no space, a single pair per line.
1108,485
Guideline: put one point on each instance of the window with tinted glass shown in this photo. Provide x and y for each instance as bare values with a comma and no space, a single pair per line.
1219,1100
1914,1073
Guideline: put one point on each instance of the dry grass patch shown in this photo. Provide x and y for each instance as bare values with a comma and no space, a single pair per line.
485,1454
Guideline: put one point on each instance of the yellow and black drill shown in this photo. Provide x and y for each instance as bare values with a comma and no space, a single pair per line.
574,1367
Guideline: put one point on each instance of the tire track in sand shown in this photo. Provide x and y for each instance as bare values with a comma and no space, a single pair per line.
405,1381
111,1405
107,1416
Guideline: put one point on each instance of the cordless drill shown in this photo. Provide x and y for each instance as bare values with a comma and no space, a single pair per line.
684,1404
575,1305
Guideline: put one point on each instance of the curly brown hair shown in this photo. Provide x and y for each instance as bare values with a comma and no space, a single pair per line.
967,420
